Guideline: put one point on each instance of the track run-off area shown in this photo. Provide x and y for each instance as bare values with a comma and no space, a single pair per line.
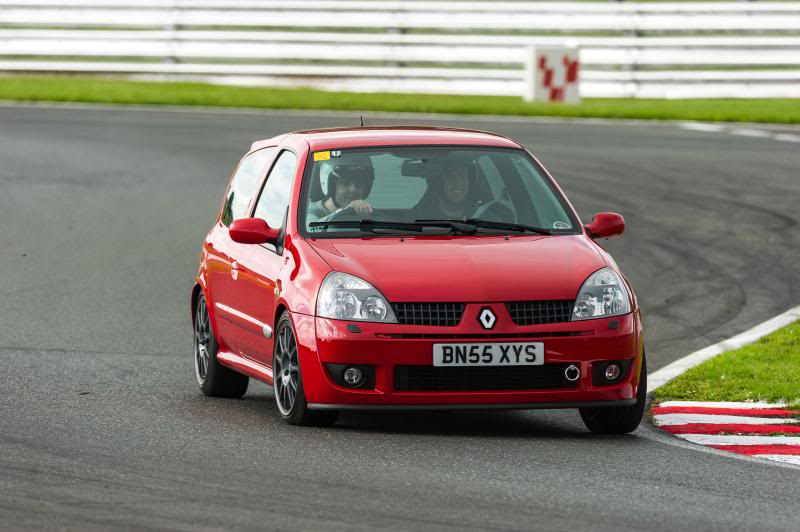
101,423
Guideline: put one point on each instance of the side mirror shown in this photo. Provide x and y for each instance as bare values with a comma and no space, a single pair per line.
606,225
253,231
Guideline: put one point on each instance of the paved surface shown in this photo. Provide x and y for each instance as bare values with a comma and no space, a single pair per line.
102,215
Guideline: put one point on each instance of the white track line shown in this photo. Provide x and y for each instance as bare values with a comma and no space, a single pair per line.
716,439
786,137
785,458
667,373
685,419
747,132
753,132
703,126
724,404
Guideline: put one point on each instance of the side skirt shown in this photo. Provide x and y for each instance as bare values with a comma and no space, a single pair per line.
246,366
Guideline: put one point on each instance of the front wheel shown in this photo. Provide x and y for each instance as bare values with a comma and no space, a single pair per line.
287,380
618,419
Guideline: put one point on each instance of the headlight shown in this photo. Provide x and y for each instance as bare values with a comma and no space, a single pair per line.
602,295
346,297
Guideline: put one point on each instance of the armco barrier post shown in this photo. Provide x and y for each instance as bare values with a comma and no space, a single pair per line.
551,74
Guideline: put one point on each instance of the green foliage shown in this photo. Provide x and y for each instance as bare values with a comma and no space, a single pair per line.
103,90
767,370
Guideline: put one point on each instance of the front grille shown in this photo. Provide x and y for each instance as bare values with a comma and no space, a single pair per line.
434,314
462,379
540,312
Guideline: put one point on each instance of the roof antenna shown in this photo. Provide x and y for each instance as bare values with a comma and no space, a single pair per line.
362,120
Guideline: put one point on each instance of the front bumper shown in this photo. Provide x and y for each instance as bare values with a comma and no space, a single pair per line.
384,346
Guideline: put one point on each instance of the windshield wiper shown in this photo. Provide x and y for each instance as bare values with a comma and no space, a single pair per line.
368,225
458,226
468,226
508,226
477,222
416,225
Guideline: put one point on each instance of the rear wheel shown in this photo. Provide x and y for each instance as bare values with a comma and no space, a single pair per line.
618,419
287,380
214,379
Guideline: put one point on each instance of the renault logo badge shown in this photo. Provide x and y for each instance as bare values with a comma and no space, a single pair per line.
487,318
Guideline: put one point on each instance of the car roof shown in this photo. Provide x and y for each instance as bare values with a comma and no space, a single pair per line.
351,137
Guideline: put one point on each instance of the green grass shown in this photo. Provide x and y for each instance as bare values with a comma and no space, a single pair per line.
116,91
768,370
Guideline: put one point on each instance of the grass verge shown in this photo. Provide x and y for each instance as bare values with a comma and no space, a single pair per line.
117,91
767,370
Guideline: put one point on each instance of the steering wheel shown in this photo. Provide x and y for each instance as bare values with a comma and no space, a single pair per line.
346,213
495,211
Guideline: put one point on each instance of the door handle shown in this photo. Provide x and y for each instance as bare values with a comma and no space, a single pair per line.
234,270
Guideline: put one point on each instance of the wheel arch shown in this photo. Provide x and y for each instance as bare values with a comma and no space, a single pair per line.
279,310
196,291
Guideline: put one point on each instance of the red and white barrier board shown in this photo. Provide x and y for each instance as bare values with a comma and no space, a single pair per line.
551,75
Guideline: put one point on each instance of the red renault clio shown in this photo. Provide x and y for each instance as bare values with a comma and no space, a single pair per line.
413,268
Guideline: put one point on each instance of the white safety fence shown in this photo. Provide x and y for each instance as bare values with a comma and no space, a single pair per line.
672,50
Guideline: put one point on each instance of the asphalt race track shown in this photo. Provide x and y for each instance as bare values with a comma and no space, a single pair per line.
101,423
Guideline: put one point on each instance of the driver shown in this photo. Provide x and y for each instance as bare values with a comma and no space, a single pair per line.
347,186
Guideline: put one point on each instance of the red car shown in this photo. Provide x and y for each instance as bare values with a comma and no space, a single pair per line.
413,268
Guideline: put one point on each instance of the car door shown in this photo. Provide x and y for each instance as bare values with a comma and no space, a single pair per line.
224,253
260,265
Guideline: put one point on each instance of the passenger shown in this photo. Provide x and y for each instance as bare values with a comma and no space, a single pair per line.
452,200
346,186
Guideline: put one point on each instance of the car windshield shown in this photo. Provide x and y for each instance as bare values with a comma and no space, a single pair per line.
429,190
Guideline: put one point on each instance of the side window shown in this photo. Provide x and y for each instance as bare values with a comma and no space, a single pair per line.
243,185
274,197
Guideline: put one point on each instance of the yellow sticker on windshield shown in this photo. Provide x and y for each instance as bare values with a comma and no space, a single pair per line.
322,155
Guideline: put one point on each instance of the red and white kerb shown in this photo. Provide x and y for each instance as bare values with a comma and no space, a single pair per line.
756,429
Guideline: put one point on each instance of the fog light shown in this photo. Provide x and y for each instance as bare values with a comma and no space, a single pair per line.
353,376
613,371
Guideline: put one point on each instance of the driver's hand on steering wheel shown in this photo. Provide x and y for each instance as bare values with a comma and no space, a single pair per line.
361,207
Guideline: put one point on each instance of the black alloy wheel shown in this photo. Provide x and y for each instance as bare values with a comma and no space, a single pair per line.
287,380
214,379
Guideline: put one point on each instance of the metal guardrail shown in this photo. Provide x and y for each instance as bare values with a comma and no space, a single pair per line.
672,50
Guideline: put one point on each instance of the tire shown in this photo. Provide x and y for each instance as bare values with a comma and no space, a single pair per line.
215,380
287,382
618,419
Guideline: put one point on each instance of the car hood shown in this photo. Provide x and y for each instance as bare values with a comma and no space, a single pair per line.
468,269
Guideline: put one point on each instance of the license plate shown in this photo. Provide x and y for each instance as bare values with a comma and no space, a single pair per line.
505,354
